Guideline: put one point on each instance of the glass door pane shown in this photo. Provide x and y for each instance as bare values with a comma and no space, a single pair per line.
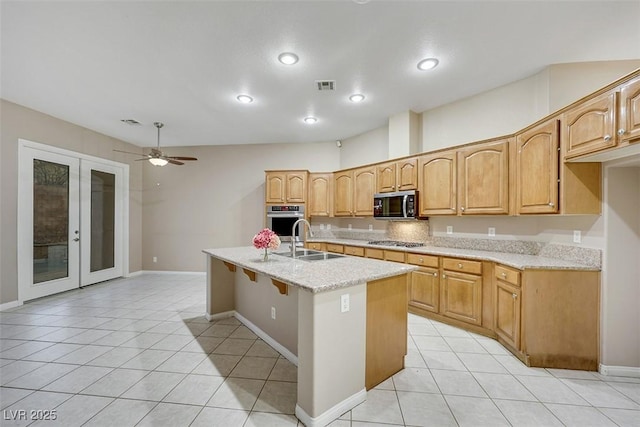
50,221
103,199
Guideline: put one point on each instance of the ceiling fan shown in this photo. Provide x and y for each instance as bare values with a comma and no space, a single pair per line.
157,157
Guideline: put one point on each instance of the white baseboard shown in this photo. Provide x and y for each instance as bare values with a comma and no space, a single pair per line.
10,305
134,274
266,338
332,413
620,371
198,273
218,316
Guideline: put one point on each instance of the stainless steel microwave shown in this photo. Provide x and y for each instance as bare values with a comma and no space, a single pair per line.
397,205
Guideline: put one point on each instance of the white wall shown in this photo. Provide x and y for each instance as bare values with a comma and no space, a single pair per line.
369,147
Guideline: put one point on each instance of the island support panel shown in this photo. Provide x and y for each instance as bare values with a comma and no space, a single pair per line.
331,354
220,289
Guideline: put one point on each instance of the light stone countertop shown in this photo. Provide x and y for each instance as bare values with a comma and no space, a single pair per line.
313,276
518,261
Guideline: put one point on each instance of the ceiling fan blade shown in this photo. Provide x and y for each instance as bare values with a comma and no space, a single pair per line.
174,162
145,158
129,152
181,158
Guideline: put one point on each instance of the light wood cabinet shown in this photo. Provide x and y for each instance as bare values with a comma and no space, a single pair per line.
537,169
629,121
400,175
483,179
320,194
332,247
424,291
318,246
353,191
354,250
286,186
437,183
461,290
507,308
591,126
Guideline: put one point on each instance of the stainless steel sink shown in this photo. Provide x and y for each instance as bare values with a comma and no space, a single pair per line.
320,257
299,253
310,255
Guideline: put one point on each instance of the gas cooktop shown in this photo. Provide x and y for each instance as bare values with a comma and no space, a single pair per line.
395,243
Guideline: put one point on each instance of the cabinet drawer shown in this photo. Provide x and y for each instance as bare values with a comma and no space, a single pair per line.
464,265
507,274
423,260
394,256
331,247
354,250
318,246
374,253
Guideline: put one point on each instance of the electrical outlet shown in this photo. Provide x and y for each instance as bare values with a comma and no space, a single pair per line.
449,229
370,227
492,231
577,236
344,303
350,227
155,259
273,313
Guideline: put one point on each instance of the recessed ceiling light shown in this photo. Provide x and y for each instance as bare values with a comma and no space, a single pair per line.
356,97
427,64
310,120
245,99
288,58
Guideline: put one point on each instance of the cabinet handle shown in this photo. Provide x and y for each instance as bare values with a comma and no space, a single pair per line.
551,204
607,137
514,296
462,208
436,275
504,274
621,132
460,265
420,259
444,276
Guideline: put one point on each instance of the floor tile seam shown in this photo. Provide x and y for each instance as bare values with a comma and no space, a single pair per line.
115,400
567,381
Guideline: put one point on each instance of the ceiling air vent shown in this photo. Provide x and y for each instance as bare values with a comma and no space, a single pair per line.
131,122
326,84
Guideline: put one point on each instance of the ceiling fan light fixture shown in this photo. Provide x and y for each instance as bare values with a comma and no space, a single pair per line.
244,99
288,58
158,162
428,64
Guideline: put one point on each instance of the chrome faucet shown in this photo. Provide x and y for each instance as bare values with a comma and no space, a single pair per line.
293,235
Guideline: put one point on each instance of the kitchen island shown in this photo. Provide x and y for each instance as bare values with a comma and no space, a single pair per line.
342,321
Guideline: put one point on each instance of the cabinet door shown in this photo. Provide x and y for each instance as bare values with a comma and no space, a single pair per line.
461,296
364,180
507,313
424,292
320,194
407,174
629,127
275,187
343,193
386,177
537,169
437,184
483,179
296,187
590,127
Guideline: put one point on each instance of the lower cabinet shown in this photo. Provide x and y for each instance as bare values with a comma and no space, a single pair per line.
461,296
424,291
507,312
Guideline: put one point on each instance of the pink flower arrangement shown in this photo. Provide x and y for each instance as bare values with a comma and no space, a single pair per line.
266,239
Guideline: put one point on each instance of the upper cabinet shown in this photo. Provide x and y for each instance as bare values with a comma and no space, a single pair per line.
399,175
353,191
483,179
286,186
320,194
629,122
437,183
591,126
536,163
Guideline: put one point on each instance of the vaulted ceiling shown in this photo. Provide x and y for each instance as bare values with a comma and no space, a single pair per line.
184,63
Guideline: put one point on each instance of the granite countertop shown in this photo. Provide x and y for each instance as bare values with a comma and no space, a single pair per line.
313,276
518,261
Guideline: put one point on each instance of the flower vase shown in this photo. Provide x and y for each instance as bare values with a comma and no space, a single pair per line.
265,257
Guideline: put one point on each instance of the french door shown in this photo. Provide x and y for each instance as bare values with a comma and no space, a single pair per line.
71,220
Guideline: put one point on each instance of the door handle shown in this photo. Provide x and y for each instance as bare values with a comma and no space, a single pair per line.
77,239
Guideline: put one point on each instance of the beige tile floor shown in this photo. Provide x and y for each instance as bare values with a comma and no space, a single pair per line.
138,352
